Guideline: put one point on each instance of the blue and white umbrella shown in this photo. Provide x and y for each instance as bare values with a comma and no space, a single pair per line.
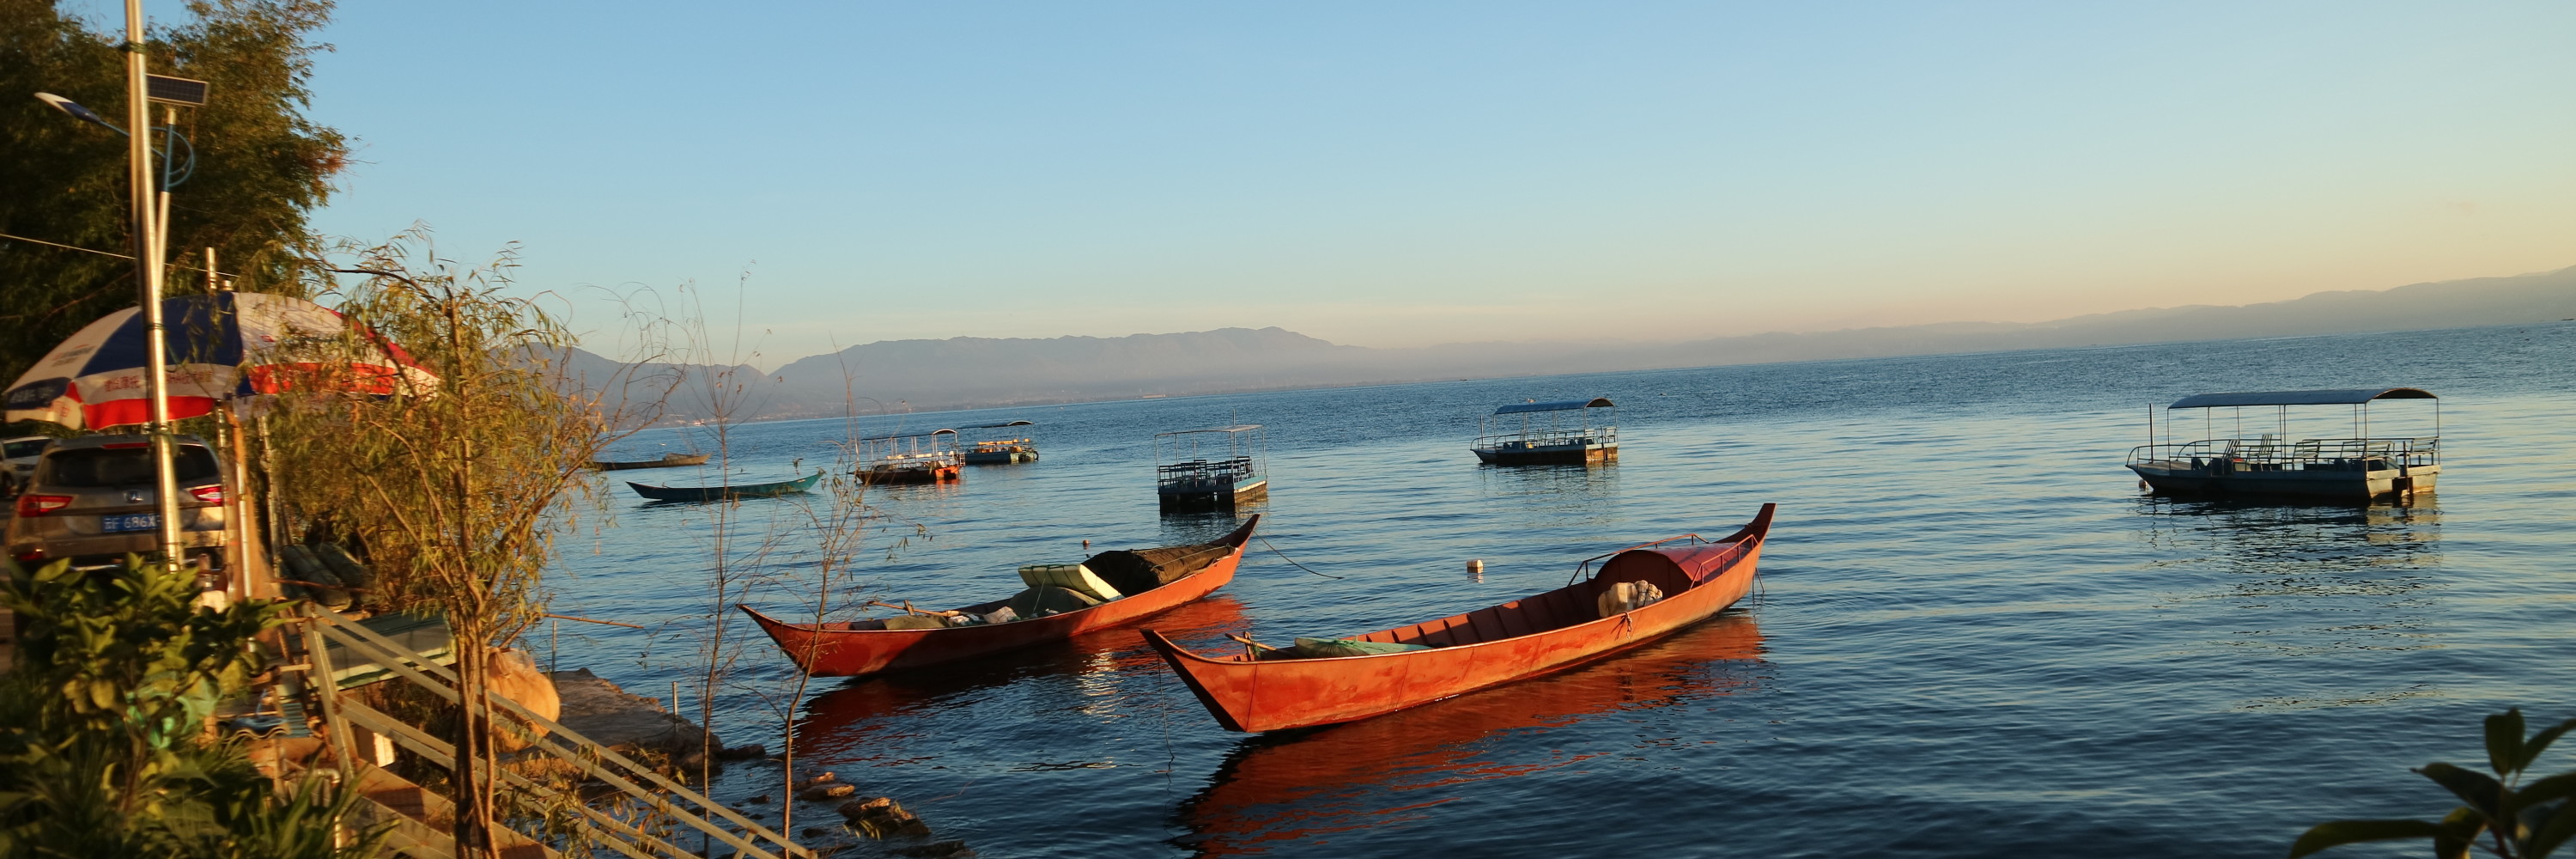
223,346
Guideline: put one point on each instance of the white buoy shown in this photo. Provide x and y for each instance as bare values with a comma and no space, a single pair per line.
1476,566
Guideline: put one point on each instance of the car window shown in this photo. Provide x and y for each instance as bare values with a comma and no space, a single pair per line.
30,447
130,466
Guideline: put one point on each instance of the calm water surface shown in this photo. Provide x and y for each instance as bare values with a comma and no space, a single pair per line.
1974,636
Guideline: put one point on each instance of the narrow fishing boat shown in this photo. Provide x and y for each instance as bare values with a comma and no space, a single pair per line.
717,493
1641,593
668,460
1558,439
1149,581
2357,468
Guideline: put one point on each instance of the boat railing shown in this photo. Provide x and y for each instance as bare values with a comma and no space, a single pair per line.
2276,454
1204,471
1548,438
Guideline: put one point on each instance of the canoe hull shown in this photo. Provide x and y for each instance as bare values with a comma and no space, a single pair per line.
851,653
1280,694
719,493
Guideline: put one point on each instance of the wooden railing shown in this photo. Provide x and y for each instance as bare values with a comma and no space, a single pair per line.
322,626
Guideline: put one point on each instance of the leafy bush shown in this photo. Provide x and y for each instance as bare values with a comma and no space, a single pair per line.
103,742
2501,814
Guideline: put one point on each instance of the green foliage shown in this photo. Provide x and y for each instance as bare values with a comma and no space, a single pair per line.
2499,814
456,490
261,165
102,724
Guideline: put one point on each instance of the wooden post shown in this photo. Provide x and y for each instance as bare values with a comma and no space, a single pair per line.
326,689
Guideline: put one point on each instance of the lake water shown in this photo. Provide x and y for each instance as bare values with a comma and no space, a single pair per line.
1973,637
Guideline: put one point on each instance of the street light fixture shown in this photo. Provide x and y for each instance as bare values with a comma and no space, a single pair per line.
178,153
77,111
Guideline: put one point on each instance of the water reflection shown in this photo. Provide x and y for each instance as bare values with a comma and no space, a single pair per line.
1586,481
1185,527
867,711
1300,787
2284,539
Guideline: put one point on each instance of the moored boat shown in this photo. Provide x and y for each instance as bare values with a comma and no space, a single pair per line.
1559,439
1282,792
770,489
929,457
1000,451
1211,469
668,460
853,648
1418,663
2358,468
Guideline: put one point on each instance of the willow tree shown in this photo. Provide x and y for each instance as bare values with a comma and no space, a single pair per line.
455,490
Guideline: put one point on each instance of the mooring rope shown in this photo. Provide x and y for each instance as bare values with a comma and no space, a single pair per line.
1293,562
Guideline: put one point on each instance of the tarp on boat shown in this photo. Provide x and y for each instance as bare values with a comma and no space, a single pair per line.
1141,570
2337,397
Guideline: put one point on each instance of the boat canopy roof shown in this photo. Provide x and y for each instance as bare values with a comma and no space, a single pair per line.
936,432
2342,397
1234,428
1558,406
994,426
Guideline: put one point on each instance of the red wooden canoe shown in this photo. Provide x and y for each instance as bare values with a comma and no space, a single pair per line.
1276,793
852,648
1486,647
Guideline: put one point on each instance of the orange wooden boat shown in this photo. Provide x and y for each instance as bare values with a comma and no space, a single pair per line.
854,648
1279,792
1482,648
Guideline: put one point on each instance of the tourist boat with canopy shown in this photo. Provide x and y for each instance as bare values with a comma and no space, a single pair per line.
769,489
2360,467
925,457
1561,432
1145,582
1211,469
1640,593
1000,451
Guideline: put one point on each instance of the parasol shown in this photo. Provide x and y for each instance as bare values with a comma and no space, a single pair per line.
222,346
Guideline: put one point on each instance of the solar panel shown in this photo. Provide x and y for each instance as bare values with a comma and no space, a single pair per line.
179,91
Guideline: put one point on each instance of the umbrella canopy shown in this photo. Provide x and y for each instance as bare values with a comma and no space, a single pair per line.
222,346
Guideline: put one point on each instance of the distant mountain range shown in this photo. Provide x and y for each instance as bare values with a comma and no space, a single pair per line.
965,372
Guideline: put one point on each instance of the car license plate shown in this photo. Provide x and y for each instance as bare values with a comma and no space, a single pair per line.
129,522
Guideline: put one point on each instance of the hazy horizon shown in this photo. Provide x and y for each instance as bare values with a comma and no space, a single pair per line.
770,361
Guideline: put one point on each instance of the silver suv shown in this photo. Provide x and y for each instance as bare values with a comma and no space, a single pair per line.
92,500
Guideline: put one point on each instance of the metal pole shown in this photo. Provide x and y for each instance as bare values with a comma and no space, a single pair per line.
147,275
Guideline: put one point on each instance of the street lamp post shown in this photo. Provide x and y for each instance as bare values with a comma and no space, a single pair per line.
147,276
150,208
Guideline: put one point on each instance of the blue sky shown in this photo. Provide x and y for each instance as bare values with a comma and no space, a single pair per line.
1405,173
